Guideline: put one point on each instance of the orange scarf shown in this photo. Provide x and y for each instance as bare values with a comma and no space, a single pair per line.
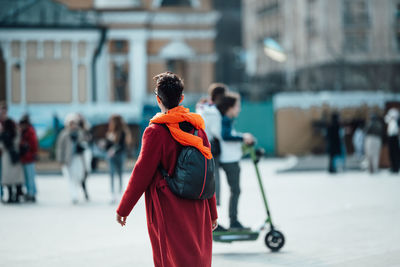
179,114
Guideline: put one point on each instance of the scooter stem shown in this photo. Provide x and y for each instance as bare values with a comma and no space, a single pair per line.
254,157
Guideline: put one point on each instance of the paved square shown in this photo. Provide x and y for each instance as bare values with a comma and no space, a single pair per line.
349,219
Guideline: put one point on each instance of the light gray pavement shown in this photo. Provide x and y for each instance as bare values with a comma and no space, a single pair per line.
350,219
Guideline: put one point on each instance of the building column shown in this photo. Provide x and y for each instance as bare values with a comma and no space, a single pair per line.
22,63
89,54
75,62
102,77
138,72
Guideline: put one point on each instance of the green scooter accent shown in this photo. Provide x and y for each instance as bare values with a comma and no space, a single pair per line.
274,239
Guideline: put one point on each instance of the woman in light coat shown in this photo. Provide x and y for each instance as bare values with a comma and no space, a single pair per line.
69,150
11,171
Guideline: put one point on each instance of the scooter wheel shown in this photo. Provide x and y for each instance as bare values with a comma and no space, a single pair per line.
274,240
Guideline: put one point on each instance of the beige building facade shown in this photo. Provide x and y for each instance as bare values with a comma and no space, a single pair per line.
105,64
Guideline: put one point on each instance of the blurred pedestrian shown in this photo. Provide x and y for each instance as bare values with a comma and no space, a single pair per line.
335,144
29,152
213,119
118,138
373,142
3,118
69,150
392,121
358,140
231,152
180,229
11,171
87,153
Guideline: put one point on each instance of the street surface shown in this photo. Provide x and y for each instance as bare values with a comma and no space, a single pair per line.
350,219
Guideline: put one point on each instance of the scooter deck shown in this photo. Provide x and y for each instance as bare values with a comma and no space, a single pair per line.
231,236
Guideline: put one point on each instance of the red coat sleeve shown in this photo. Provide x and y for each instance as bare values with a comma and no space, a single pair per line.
212,202
143,172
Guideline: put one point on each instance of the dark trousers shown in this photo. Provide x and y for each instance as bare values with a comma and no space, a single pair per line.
232,171
394,153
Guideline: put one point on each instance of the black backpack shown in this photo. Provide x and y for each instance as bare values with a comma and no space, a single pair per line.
193,177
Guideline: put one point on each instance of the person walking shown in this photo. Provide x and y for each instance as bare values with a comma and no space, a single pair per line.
118,138
180,229
373,143
28,151
392,121
11,171
335,146
87,153
69,149
358,140
212,119
231,152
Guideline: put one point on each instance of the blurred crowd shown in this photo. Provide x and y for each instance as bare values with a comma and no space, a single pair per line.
367,139
77,151
19,148
73,151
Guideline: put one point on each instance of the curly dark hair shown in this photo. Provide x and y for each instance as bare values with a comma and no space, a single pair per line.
169,88
227,101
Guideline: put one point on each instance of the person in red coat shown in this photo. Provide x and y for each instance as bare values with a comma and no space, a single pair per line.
28,153
180,229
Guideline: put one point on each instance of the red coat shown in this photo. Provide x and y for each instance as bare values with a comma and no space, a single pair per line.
180,230
29,140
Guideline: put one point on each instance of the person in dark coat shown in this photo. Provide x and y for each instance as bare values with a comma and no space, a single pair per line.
334,142
180,229
28,151
391,119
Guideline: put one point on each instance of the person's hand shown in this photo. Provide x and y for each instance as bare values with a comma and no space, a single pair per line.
248,138
214,224
121,220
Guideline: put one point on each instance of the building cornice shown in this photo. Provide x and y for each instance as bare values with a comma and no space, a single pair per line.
162,18
41,35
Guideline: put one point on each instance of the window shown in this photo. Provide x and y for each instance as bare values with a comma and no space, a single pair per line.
356,23
269,9
356,42
311,25
398,39
176,3
178,66
356,13
119,67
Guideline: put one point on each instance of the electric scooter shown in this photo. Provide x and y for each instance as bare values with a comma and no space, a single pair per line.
274,239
